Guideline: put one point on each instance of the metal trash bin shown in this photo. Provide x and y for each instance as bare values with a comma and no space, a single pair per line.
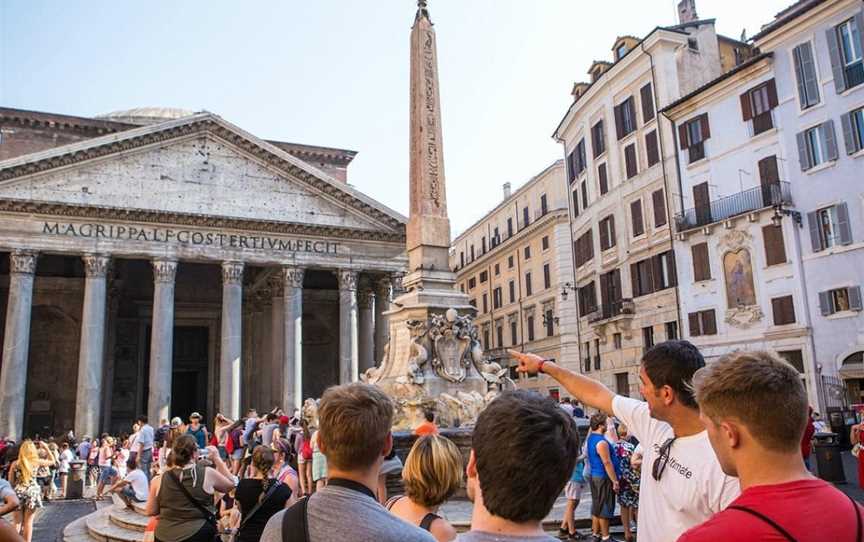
829,463
75,482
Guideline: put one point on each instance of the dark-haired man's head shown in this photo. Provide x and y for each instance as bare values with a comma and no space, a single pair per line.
754,406
354,427
598,422
665,375
429,415
515,426
141,419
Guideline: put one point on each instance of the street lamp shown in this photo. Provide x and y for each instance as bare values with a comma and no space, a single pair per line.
780,212
565,290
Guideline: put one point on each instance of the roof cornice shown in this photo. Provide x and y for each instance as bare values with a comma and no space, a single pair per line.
205,124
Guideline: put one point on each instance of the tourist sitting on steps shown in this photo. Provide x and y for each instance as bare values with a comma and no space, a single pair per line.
354,432
134,487
432,473
183,496
510,500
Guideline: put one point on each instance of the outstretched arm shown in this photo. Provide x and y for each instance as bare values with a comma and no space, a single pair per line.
587,390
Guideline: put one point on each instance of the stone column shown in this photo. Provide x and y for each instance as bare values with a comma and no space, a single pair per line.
366,338
382,325
232,336
276,366
292,369
91,354
349,362
13,378
161,340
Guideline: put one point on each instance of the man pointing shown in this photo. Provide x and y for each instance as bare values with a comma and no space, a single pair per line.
682,483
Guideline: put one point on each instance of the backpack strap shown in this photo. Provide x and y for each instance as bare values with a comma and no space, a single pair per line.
428,519
261,500
766,519
295,522
391,501
208,515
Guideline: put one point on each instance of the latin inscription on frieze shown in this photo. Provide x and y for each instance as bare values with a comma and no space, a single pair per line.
155,234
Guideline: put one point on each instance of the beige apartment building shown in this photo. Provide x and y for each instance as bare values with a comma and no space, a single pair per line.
620,157
514,264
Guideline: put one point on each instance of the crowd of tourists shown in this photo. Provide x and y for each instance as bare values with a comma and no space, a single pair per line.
712,453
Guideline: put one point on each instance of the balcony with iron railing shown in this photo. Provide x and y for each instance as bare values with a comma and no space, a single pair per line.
753,199
611,310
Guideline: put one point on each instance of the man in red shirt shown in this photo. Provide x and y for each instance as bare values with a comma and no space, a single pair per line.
428,427
754,408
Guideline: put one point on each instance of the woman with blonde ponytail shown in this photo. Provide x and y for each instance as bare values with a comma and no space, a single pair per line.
22,477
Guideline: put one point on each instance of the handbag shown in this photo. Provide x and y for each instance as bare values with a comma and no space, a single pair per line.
208,515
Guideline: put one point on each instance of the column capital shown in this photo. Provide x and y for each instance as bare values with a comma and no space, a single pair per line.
347,279
164,270
232,272
276,284
382,285
364,298
292,276
23,262
96,265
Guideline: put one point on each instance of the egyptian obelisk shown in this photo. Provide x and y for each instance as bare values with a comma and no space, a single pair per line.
432,335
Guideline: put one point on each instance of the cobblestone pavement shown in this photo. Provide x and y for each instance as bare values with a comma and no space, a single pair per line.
50,520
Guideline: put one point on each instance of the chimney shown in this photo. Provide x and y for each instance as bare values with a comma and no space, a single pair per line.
506,190
687,11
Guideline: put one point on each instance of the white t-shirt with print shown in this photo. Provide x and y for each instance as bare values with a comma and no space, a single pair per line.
691,489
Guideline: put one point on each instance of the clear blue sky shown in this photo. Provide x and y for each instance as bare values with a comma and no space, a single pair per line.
335,72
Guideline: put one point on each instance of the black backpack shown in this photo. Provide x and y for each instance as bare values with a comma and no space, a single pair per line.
295,522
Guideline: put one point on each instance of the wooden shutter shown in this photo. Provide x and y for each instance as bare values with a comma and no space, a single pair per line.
630,160
695,328
830,139
772,93
775,251
768,171
803,152
701,267
651,149
656,264
836,60
811,79
611,230
636,217
683,136
598,143
604,236
604,290
673,269
746,106
634,280
601,176
619,122
709,322
854,298
589,241
798,61
815,238
706,127
647,103
659,202
631,106
849,139
616,285
702,203
784,310
826,305
843,223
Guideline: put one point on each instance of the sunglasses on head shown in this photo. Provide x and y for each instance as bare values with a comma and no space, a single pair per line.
662,459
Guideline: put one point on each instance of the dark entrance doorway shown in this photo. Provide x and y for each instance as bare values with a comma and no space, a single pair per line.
189,379
189,375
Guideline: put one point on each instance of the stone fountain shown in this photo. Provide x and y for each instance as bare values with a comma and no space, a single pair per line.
434,359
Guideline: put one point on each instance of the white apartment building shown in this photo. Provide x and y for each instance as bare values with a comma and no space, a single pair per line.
514,263
737,235
818,58
621,160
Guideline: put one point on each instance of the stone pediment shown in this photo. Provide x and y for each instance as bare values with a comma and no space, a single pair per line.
199,166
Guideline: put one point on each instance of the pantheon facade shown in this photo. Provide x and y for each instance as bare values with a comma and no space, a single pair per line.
159,261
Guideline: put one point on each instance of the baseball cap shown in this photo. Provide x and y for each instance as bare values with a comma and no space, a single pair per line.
176,422
194,415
